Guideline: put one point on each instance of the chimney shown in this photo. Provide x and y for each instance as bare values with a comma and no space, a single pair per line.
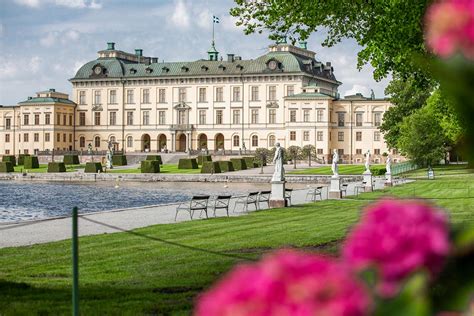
29,98
154,60
52,90
237,58
139,52
230,58
110,46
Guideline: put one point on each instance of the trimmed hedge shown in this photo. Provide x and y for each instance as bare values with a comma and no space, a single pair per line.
238,163
56,167
11,159
93,167
150,166
378,171
6,166
31,162
203,158
21,159
155,157
119,160
226,166
250,162
208,167
71,159
185,163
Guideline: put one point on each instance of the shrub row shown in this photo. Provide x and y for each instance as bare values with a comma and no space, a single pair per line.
186,163
31,162
155,157
150,166
378,171
225,166
203,158
71,159
119,160
6,166
11,159
93,167
21,159
211,167
56,167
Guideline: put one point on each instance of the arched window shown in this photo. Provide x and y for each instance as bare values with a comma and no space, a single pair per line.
236,141
129,141
82,142
112,139
254,141
97,142
271,141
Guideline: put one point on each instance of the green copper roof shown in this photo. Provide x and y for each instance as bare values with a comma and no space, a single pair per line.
47,100
309,95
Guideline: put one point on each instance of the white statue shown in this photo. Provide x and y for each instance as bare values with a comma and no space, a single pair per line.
367,162
388,164
110,153
279,174
334,166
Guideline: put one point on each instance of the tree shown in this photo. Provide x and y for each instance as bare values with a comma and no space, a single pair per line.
421,138
294,153
262,157
308,151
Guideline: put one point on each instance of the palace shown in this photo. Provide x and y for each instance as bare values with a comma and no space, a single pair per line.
143,104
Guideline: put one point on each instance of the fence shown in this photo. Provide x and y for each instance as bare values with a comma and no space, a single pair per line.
403,167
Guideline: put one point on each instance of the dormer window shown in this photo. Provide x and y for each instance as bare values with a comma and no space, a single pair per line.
165,69
204,68
273,64
184,69
148,70
240,67
133,71
221,67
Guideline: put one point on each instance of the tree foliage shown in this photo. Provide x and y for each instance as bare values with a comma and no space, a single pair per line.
294,153
309,152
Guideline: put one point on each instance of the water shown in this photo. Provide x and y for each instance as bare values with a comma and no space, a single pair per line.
20,201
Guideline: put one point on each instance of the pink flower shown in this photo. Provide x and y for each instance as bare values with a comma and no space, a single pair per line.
450,27
287,283
398,238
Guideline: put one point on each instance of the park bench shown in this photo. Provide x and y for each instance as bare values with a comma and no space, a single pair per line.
264,197
197,203
221,202
344,189
313,193
288,193
246,200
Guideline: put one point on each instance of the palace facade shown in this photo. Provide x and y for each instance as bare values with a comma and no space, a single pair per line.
143,104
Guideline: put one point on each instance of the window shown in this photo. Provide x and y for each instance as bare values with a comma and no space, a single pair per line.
82,118
219,94
306,136
319,136
272,116
25,151
36,137
376,136
96,118
70,138
26,137
254,93
129,118
358,119
236,117
293,116
82,97
130,96
320,115
113,96
161,117
272,93
26,119
146,96
97,141
358,136
47,119
218,116
254,116
37,119
254,141
340,152
161,96
64,119
182,94
358,151
97,97
292,135
7,151
8,123
271,141
202,117
236,141
340,119
376,151
70,120
235,94
319,151
146,117
113,118
202,94
19,138
46,137
129,141
7,138
305,115
82,142
58,119
290,90
182,117
377,119
340,136
64,137
58,137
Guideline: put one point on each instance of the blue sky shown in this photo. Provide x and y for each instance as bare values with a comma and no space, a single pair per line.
43,42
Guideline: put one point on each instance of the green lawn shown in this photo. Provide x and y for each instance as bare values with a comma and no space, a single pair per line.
44,168
166,168
123,274
326,170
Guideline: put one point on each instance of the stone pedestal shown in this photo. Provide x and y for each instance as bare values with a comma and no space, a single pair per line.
278,194
335,188
388,179
368,181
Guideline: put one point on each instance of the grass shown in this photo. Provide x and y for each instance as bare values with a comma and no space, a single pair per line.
128,275
166,168
326,170
44,168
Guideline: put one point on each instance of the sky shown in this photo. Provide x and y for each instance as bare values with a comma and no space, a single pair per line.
44,42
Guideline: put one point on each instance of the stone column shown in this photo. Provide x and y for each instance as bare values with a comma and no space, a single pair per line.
388,179
335,188
173,141
277,198
188,141
368,181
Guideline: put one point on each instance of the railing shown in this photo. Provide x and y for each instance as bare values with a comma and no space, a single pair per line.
403,167
77,152
181,127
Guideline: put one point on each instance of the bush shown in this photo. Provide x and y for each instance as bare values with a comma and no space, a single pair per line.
154,157
21,159
378,171
31,162
150,166
238,163
204,158
250,162
211,167
188,163
6,166
119,160
71,159
225,166
262,154
56,167
11,159
93,167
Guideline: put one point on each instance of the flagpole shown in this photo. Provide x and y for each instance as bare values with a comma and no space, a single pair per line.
213,30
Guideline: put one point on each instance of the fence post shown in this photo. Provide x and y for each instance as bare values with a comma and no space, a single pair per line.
75,264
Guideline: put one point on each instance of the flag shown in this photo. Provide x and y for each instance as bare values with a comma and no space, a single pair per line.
215,19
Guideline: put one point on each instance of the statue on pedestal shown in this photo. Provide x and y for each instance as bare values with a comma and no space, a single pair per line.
367,162
388,164
334,166
279,174
110,153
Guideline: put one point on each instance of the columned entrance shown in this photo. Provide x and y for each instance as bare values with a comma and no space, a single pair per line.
181,142
162,142
202,141
146,142
219,141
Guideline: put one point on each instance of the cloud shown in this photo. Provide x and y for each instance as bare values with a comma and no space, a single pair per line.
204,19
79,4
357,88
49,39
63,37
29,3
180,16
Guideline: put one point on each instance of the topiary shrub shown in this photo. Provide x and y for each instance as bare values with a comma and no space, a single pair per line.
225,166
21,159
93,167
210,167
238,163
203,158
119,160
6,166
31,162
150,166
71,159
11,159
155,157
56,167
185,163
378,171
